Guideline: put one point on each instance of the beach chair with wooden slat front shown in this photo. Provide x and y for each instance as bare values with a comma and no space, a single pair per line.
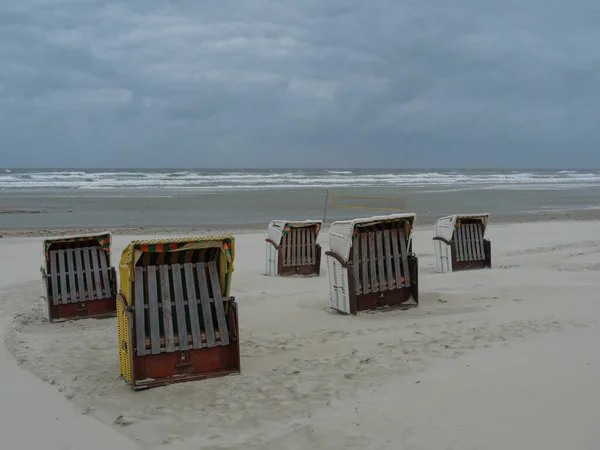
77,277
460,243
292,248
176,319
371,263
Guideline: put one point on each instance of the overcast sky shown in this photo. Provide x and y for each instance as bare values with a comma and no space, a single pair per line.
310,83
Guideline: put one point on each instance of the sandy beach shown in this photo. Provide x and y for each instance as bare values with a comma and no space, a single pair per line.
492,359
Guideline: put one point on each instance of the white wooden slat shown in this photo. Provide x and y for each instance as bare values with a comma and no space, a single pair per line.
302,259
471,242
179,307
153,311
205,302
356,265
463,242
167,311
80,270
64,299
467,254
140,322
397,270
219,309
192,297
476,239
103,256
96,269
88,273
364,253
404,256
381,261
71,271
388,259
458,243
481,245
54,276
373,262
284,251
312,253
305,246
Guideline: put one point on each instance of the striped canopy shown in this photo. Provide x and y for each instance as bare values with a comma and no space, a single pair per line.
103,240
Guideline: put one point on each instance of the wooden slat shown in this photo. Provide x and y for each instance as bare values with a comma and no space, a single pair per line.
465,244
205,302
216,290
364,256
296,246
165,299
54,276
292,236
387,250
474,227
80,270
397,269
469,242
404,256
463,240
313,248
478,239
64,299
301,259
103,256
481,246
284,250
71,274
381,261
373,262
459,244
356,264
192,297
179,307
470,246
153,311
305,245
140,323
309,234
96,269
88,273
189,338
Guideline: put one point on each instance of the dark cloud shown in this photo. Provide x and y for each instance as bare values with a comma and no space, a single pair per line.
402,83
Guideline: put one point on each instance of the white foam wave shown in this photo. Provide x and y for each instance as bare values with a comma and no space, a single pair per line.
272,179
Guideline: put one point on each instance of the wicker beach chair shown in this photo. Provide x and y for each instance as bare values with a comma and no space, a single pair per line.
371,263
176,319
292,249
77,277
460,243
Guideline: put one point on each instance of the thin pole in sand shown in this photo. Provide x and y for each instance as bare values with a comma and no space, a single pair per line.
325,210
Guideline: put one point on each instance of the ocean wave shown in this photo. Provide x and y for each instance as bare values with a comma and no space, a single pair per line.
207,180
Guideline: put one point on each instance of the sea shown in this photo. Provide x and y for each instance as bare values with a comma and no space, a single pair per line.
210,198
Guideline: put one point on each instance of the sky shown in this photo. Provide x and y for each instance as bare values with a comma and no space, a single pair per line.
300,83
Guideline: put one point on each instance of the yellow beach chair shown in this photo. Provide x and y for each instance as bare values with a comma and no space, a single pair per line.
176,319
